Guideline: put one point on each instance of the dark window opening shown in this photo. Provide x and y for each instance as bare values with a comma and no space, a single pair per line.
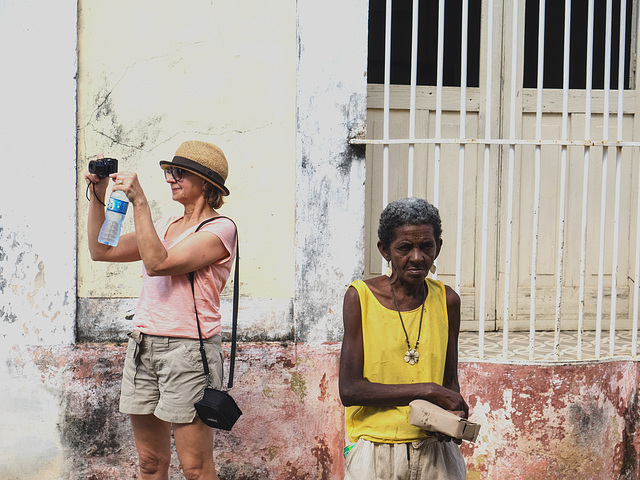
554,44
402,11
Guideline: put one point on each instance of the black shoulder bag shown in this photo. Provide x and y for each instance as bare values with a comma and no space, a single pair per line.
217,409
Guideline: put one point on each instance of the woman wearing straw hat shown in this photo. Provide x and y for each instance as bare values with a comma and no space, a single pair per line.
163,373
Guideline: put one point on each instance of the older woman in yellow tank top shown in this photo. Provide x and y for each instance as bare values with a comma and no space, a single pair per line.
401,344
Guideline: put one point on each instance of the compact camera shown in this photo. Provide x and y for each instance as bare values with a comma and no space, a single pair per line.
103,167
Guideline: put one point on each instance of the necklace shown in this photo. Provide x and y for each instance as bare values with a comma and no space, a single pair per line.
411,356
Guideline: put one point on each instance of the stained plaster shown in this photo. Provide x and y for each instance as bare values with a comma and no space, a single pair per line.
330,174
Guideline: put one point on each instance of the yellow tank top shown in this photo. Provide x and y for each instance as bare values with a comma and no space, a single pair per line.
384,348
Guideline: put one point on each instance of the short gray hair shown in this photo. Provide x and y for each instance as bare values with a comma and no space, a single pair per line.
408,211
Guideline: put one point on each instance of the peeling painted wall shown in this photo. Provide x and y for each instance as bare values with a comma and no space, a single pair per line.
538,422
283,121
554,422
291,428
37,154
154,75
331,100
37,224
289,135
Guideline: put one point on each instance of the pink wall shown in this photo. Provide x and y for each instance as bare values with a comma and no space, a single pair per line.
553,422
538,422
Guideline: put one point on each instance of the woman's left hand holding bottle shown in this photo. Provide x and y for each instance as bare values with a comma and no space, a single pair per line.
129,184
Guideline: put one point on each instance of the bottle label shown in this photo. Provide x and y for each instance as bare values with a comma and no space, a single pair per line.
118,206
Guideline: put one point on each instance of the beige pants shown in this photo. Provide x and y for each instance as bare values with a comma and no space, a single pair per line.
164,376
426,459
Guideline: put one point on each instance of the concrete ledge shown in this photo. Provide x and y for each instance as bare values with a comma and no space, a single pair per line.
259,319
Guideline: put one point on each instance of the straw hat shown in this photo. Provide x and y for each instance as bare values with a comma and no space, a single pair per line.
203,159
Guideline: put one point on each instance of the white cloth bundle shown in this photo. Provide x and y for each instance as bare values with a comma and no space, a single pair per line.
432,418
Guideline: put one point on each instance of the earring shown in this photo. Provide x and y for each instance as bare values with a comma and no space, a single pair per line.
433,268
389,269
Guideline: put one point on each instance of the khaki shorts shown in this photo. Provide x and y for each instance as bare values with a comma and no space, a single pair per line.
164,376
426,459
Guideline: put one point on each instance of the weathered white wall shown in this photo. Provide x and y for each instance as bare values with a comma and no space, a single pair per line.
149,77
58,407
233,77
37,151
37,223
332,103
154,75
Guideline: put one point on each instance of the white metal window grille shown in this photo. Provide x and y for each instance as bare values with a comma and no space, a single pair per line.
593,124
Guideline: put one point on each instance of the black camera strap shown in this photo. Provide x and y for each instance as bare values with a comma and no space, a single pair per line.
236,291
86,194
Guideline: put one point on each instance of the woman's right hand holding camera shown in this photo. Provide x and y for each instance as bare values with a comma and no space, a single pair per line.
97,184
127,249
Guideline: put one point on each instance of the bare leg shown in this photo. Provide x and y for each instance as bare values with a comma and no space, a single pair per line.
153,442
194,444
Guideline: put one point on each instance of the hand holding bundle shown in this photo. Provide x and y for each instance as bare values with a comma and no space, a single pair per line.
433,418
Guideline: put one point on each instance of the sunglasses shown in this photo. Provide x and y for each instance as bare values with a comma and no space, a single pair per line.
175,172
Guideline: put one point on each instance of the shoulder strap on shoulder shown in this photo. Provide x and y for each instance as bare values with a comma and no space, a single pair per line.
236,296
209,220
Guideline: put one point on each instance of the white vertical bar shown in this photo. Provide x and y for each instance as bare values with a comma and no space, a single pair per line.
512,155
485,194
616,214
616,237
636,282
387,94
636,278
583,238
605,160
463,134
536,195
412,100
585,178
440,73
563,178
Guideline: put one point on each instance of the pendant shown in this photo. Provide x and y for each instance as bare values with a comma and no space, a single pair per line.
411,356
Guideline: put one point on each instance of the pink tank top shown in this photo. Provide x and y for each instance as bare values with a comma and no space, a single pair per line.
165,307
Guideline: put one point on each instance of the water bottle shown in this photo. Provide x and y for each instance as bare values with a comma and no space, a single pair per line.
114,216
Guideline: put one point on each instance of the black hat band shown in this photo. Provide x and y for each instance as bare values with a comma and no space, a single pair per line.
201,169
